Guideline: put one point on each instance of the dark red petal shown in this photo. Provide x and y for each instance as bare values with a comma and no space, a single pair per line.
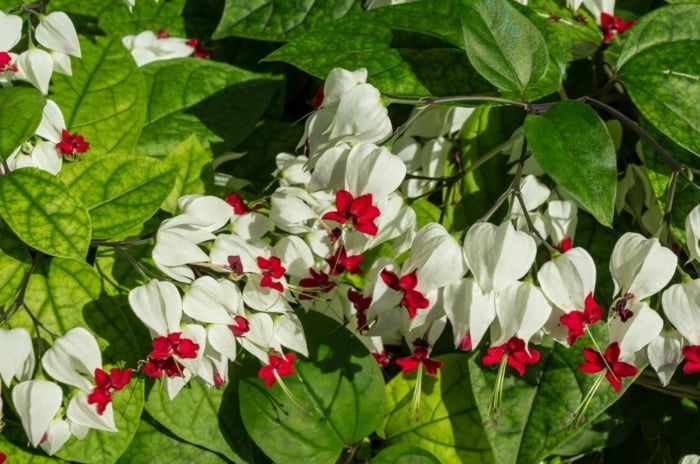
408,364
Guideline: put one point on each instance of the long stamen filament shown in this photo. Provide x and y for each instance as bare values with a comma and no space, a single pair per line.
415,403
579,413
497,398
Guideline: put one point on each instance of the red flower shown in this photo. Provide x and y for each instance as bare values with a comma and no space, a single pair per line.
239,206
318,98
382,359
165,347
106,384
576,321
199,50
360,211
155,367
340,262
236,265
278,366
614,368
412,299
518,356
6,64
361,305
272,271
419,356
692,355
240,327
317,283
610,24
71,145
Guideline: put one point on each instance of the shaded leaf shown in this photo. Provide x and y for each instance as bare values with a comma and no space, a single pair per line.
44,214
503,45
341,391
20,114
278,20
104,100
14,262
447,423
207,417
194,174
406,454
398,63
120,193
572,144
660,68
157,447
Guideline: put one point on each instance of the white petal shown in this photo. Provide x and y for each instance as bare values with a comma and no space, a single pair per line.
62,64
57,32
664,353
10,31
522,310
361,117
641,266
158,305
498,255
72,358
57,435
46,157
638,331
568,279
36,402
258,339
52,122
17,360
290,333
295,254
373,169
82,413
692,233
213,301
35,66
221,339
437,256
340,81
469,310
209,212
681,304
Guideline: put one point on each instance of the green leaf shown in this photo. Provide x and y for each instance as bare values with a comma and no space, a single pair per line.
405,454
660,68
278,20
447,423
20,114
206,417
119,192
192,164
14,262
216,101
44,214
104,100
487,129
537,412
340,390
573,146
503,45
14,444
158,447
398,63
64,294
426,212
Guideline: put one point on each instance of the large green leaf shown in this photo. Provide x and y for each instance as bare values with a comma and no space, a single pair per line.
119,192
44,214
206,417
20,114
405,454
503,45
660,68
192,164
104,100
14,262
341,393
156,446
216,101
537,410
447,423
63,294
278,20
398,63
573,146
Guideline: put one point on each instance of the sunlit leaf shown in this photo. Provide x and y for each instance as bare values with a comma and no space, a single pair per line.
20,113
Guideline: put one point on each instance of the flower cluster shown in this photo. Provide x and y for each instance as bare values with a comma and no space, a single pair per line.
75,361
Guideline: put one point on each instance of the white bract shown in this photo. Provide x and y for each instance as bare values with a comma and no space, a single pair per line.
37,403
56,31
146,47
17,361
692,233
10,31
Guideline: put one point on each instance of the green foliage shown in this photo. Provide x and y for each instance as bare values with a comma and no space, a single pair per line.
506,48
573,146
340,396
44,213
278,20
20,113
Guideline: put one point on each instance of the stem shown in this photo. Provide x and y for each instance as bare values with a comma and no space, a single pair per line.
121,243
19,301
632,125
138,266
